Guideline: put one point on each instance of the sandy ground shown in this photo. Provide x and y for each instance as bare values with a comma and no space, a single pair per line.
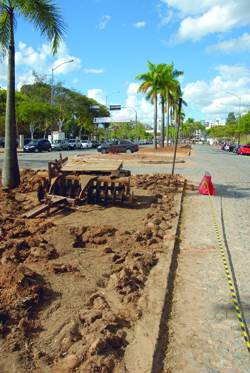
71,284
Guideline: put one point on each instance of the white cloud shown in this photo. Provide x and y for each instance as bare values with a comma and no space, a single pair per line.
27,59
206,96
24,78
231,46
75,80
104,21
165,15
132,89
94,71
233,73
139,24
201,18
98,95
187,7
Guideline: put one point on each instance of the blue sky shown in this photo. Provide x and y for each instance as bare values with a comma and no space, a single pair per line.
112,41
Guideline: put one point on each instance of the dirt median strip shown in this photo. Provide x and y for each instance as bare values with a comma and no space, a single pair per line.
140,352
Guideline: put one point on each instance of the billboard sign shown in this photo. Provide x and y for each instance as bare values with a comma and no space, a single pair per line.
111,119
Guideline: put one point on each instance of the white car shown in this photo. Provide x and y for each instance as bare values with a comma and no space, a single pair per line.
74,144
86,144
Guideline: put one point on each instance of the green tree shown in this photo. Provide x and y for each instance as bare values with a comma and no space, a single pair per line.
245,123
150,86
46,17
231,119
35,113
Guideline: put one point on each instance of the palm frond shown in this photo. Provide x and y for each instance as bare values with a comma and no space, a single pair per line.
46,17
4,30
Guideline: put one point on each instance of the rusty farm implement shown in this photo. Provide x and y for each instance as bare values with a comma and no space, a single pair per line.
83,180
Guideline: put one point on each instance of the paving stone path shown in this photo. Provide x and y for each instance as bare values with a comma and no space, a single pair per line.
205,334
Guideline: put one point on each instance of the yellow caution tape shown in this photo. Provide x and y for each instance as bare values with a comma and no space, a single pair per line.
243,328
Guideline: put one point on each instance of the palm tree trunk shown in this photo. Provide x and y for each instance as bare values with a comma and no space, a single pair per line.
167,120
10,174
162,121
155,123
171,126
176,123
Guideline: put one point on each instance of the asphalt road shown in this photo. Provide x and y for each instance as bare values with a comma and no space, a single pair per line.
39,161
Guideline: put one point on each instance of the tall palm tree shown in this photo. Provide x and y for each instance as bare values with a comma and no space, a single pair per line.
173,94
151,87
166,84
46,17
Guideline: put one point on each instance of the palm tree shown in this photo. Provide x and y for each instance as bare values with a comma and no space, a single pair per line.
188,124
46,17
173,94
167,84
151,87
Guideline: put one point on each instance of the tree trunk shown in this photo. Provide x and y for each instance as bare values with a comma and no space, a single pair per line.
162,121
10,174
171,126
80,131
155,123
167,120
176,122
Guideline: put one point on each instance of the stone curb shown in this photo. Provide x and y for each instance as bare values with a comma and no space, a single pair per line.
18,151
143,340
156,162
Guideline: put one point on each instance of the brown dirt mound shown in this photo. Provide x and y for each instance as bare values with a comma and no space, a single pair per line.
71,288
12,202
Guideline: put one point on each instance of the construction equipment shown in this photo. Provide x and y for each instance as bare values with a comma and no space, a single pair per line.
80,179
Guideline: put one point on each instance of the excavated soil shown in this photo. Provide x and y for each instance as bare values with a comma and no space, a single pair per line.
71,283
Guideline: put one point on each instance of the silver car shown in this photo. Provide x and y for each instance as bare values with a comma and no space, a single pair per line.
60,145
75,144
86,144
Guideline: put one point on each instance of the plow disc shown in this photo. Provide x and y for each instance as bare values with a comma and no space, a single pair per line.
77,182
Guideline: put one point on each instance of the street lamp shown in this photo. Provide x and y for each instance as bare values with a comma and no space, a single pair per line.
128,107
224,110
110,95
230,93
52,94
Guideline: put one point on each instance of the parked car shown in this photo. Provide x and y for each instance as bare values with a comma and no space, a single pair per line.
223,146
2,142
245,150
37,146
95,144
235,150
60,145
85,144
239,149
121,146
229,147
26,141
74,144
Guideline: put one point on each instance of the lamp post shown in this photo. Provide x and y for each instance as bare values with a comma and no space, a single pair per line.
230,93
224,110
52,94
110,95
128,107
